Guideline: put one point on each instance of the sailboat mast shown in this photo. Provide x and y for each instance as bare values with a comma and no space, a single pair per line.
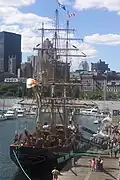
42,71
54,64
67,33
41,63
38,90
66,75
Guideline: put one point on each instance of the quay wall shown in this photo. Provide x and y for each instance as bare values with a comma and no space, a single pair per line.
9,102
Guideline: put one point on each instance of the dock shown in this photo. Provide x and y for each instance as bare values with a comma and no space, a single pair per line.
81,170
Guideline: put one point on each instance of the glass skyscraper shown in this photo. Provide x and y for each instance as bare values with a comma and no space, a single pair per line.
10,47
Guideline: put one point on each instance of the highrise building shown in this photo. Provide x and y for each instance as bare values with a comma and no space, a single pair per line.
84,66
10,49
26,69
12,64
100,67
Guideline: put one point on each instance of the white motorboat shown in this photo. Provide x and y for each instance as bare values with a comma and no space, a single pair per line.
10,114
92,111
20,112
30,113
2,117
96,122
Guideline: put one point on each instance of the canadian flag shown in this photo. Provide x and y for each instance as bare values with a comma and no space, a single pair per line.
31,83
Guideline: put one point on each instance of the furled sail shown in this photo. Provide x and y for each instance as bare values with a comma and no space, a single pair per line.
30,83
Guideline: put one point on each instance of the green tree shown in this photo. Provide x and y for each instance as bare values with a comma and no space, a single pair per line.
112,96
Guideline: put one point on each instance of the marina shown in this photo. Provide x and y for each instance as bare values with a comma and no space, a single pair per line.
9,171
51,143
54,134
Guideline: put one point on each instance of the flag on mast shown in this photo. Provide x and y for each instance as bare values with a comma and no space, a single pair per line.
70,14
61,5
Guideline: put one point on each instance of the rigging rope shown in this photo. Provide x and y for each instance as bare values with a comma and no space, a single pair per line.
21,166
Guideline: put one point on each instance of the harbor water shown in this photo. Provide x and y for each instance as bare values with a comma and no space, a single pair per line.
8,170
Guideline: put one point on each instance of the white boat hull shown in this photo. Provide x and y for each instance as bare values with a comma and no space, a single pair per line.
2,118
10,117
20,115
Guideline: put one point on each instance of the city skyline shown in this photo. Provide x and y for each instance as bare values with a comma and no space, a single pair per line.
97,22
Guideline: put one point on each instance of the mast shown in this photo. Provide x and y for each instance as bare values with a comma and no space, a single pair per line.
66,76
63,102
38,90
53,75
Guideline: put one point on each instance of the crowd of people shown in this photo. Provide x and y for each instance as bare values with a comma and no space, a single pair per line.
48,137
112,144
96,164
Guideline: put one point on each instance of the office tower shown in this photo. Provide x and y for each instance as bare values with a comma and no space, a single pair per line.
10,50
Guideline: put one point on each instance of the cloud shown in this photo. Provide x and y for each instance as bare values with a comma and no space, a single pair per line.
86,48
107,39
11,15
66,2
111,5
16,2
27,24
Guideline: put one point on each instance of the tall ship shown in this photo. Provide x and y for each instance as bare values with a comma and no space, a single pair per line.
52,143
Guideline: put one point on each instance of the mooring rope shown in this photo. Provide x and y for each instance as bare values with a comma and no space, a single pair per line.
21,165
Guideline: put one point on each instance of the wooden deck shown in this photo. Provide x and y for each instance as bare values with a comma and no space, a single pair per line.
81,170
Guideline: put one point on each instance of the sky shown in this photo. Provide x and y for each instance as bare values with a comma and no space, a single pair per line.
96,21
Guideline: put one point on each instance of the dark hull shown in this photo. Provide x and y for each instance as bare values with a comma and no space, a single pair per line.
41,160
